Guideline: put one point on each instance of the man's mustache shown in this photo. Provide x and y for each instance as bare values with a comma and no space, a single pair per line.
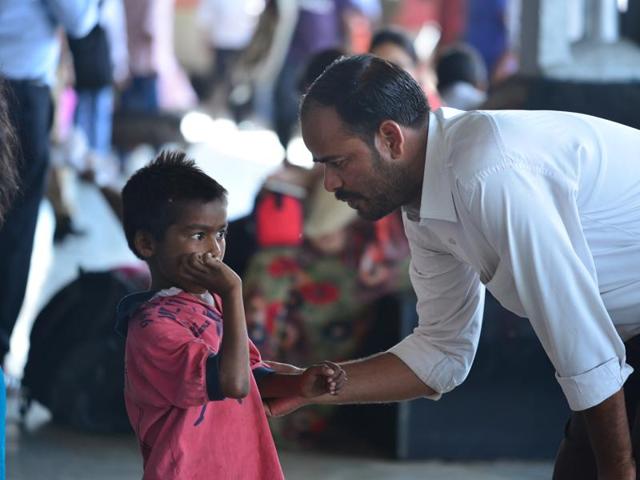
345,196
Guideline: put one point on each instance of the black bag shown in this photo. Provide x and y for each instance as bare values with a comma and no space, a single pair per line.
76,359
92,59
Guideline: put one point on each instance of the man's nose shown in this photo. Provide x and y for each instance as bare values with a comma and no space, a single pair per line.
332,182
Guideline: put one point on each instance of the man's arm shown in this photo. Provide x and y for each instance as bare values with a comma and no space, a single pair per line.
377,379
544,254
380,378
609,434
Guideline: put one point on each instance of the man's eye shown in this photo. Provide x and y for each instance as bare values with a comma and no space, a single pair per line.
221,234
338,163
198,236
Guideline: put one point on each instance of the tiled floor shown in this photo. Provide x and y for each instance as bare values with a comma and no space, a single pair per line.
40,450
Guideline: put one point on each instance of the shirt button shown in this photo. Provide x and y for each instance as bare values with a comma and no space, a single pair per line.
452,241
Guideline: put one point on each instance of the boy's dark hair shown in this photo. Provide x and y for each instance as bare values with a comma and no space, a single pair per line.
461,63
153,196
365,91
396,37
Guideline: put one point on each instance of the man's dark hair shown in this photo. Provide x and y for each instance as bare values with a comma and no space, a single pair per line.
9,160
396,37
461,63
365,91
153,197
318,64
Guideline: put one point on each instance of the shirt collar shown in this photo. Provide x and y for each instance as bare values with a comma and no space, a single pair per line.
205,297
436,202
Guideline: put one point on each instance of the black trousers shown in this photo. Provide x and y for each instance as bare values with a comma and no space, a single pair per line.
30,110
575,460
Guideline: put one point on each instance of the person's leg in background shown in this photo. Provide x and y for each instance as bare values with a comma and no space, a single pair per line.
141,95
103,122
85,114
575,459
285,101
30,110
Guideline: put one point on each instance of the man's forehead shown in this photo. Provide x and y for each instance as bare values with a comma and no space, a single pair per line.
324,123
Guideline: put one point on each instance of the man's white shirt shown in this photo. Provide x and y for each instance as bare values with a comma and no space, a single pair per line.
542,209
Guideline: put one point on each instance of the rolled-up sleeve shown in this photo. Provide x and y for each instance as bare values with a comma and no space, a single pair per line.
531,218
442,347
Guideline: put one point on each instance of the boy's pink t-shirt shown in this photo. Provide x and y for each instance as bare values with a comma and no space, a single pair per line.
182,434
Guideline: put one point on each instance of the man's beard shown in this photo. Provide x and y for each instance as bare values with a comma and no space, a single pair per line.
388,189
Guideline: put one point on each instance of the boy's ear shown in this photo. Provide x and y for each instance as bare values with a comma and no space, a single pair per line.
145,244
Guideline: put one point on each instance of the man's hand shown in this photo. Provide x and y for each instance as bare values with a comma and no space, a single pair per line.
301,386
327,377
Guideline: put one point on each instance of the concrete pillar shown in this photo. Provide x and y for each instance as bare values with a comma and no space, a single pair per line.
602,21
544,41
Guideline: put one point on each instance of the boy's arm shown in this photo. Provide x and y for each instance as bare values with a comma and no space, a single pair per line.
232,359
288,380
233,356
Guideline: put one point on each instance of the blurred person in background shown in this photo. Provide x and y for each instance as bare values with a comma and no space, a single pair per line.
140,94
447,15
156,81
229,27
487,30
320,298
9,184
320,25
106,46
462,77
396,46
29,54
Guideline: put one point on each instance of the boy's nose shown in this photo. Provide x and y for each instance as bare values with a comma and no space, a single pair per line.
215,249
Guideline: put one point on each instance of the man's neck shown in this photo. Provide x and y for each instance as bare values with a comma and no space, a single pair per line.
419,161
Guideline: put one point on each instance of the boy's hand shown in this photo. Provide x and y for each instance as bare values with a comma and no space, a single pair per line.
210,273
326,377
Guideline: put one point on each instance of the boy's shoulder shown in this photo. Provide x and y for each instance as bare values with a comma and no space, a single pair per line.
169,312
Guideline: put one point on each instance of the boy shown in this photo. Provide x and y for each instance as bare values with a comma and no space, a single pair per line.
191,398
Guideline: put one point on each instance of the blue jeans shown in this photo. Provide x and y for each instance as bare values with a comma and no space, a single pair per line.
94,116
141,95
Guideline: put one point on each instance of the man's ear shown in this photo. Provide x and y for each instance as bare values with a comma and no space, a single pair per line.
145,244
390,139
